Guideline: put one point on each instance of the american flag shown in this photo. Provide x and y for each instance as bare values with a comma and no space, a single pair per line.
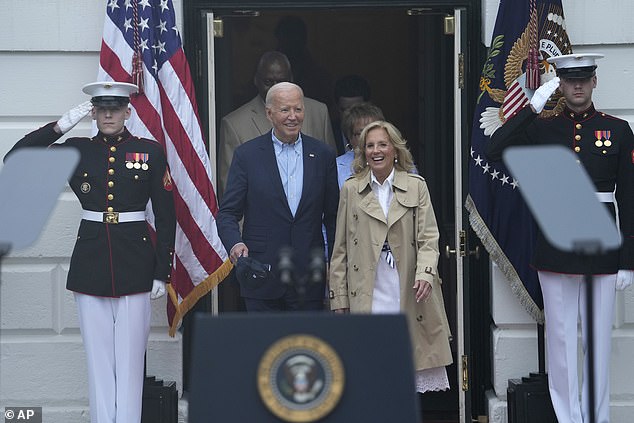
141,44
526,33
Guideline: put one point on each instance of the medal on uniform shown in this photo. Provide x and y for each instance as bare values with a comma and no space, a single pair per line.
144,158
137,165
600,135
129,165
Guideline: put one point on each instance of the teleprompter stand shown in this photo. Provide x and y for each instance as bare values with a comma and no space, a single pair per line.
562,198
304,367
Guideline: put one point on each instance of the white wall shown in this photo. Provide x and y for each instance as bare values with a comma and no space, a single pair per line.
48,50
597,26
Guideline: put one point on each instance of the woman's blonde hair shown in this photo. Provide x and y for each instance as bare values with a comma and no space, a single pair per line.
404,158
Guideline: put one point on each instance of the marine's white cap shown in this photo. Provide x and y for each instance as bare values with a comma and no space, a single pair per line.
109,93
580,65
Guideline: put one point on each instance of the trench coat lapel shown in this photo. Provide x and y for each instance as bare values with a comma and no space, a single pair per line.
369,203
403,199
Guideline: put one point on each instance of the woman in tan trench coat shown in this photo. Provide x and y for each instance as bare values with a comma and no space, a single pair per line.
386,250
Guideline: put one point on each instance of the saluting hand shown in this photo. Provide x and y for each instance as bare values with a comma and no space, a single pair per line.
543,93
73,116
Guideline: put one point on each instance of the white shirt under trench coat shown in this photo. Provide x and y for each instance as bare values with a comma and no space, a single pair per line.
361,231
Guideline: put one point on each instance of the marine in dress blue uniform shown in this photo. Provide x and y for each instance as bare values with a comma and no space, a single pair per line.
115,267
604,144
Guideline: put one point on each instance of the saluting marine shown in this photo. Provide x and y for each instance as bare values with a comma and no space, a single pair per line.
115,267
604,145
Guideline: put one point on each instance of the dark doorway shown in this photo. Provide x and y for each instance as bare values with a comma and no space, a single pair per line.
406,57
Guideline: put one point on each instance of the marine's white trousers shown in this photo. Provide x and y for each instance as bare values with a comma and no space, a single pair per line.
564,304
115,333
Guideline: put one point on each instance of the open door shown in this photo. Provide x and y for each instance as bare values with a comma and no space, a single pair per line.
417,75
458,252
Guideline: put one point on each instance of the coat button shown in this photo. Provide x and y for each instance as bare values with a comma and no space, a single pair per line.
110,171
110,197
419,318
353,293
110,209
355,241
578,137
355,216
356,268
110,184
577,149
113,148
111,159
578,126
136,176
85,175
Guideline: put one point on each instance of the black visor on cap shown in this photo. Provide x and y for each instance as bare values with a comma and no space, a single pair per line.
579,72
250,272
109,101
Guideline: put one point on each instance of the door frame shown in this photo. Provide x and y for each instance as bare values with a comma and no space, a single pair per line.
196,50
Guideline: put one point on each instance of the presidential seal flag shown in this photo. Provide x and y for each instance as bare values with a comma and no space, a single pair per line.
141,44
526,33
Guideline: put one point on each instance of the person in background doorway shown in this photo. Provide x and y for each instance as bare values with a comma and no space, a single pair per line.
354,119
250,120
316,81
349,90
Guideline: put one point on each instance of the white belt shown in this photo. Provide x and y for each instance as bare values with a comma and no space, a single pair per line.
605,197
113,217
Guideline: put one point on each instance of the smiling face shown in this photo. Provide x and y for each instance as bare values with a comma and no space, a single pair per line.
379,153
110,120
578,92
286,113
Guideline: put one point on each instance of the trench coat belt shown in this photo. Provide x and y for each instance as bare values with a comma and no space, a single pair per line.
605,197
113,217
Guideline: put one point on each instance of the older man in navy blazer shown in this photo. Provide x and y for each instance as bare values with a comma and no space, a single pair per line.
284,185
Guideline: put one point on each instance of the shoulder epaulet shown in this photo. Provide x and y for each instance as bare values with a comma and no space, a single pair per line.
415,175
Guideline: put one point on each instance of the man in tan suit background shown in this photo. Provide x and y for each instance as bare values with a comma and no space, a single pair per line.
249,120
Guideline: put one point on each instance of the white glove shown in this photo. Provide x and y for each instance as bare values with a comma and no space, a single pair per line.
158,289
624,279
73,116
543,93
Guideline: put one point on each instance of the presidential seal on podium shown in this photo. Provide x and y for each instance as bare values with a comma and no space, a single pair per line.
300,378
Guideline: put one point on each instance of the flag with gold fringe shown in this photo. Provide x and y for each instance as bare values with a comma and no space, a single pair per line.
526,33
141,44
